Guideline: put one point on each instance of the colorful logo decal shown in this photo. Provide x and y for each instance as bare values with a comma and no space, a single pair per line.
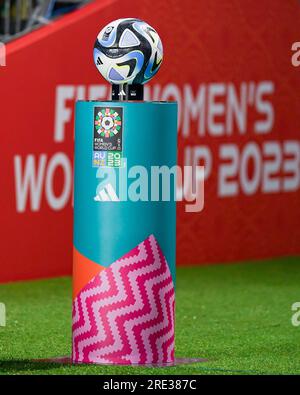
107,142
108,122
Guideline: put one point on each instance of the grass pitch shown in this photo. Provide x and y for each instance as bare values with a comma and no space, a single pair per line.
237,316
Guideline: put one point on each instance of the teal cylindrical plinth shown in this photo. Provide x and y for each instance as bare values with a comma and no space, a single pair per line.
124,232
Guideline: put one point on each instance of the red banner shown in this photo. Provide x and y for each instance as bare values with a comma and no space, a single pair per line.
228,64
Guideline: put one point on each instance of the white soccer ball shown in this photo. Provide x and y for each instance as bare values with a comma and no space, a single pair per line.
128,51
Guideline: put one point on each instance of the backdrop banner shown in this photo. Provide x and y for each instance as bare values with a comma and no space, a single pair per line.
231,68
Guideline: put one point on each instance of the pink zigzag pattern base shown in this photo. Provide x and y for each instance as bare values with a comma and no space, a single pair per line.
125,314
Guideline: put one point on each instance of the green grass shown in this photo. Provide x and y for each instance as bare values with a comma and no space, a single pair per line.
237,316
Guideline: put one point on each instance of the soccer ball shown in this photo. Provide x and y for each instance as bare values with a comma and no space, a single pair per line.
128,51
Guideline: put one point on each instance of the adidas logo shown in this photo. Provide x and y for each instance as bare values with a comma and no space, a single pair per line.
107,194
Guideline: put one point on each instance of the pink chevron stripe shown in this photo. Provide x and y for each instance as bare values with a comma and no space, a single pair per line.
96,346
125,314
109,340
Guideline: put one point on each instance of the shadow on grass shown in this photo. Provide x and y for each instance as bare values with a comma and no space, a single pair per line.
38,365
18,366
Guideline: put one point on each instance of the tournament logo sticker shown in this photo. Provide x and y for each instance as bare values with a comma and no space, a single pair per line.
108,122
107,141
